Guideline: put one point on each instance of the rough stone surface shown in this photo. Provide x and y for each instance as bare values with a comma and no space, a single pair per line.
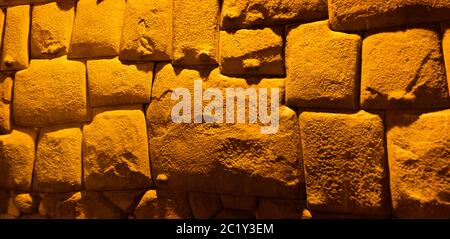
195,32
116,150
330,82
147,31
79,205
51,29
114,83
58,159
403,68
229,158
158,205
419,160
251,52
125,200
26,203
344,162
17,152
253,13
204,205
15,39
50,92
445,27
97,28
6,85
280,209
2,25
239,202
350,15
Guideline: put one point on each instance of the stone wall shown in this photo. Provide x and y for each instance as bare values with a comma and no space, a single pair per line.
85,121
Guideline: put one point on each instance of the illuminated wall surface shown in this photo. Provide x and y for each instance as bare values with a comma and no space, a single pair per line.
85,110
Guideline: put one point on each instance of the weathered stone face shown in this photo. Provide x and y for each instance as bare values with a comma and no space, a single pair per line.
403,68
195,32
238,14
58,159
229,158
114,83
50,92
345,163
204,205
97,29
163,204
419,150
15,39
251,52
279,209
51,29
6,84
147,31
115,153
328,83
350,15
17,152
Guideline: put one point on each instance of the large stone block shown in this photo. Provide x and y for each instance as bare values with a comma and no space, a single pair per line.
349,15
6,85
58,159
97,29
17,152
221,157
113,83
50,92
116,149
403,68
195,32
78,205
252,52
419,161
147,31
345,163
238,14
204,205
322,67
51,29
15,39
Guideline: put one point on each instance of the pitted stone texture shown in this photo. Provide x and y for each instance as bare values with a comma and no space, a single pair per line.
125,200
15,39
116,150
204,205
50,92
163,205
251,52
97,28
58,159
239,202
419,160
51,29
6,84
269,208
147,31
195,32
322,67
78,205
17,152
344,162
350,15
114,83
229,158
254,13
445,27
403,68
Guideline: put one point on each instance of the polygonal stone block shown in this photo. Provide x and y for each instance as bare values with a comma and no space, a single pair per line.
15,39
